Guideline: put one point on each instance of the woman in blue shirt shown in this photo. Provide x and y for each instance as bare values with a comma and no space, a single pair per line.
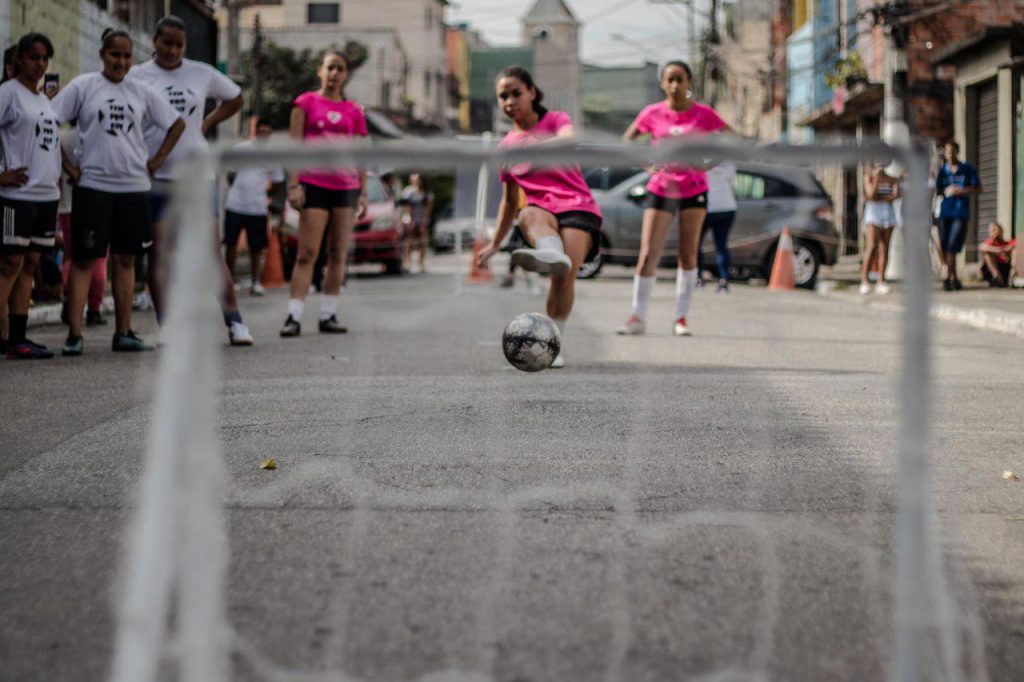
956,182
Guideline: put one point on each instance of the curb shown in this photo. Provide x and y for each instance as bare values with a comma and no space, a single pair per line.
985,319
49,313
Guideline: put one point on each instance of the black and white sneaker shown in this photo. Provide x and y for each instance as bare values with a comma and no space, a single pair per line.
547,261
291,327
332,326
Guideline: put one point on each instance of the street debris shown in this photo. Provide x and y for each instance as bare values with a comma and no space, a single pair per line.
268,464
1010,476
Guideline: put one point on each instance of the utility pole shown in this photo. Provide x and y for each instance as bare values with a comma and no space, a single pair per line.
257,68
234,14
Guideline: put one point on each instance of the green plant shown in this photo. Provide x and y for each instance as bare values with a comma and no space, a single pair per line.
848,68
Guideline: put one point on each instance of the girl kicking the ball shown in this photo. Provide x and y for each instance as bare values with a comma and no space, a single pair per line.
560,222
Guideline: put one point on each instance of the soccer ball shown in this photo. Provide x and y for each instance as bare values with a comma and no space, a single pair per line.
531,342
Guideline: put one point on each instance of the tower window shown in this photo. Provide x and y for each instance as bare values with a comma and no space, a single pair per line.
323,13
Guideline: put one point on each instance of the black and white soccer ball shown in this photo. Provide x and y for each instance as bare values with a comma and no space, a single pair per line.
531,342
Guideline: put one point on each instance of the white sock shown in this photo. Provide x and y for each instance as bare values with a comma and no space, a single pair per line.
328,307
553,243
686,282
642,288
561,324
295,308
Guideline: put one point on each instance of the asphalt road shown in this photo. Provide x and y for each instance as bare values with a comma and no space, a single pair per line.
713,508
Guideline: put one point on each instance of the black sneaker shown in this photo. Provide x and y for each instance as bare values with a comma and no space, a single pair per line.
332,326
291,327
36,345
28,351
957,284
947,285
73,346
129,343
94,318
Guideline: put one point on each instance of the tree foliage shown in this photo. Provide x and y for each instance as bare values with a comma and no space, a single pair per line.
285,73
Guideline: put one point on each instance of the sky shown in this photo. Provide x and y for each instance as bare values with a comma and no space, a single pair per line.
614,31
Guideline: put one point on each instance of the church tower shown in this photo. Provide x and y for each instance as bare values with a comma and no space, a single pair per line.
552,31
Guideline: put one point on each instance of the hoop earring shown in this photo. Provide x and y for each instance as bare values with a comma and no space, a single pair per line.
689,94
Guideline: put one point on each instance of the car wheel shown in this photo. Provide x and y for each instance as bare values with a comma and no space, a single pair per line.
806,262
590,269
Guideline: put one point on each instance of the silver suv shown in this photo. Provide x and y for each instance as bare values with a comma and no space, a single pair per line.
768,197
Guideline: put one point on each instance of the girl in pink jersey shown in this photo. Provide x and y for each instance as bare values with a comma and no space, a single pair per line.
327,199
561,221
672,189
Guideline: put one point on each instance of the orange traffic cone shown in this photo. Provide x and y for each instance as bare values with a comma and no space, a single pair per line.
783,278
477,274
273,269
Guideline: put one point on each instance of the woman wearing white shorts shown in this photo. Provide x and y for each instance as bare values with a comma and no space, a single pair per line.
881,190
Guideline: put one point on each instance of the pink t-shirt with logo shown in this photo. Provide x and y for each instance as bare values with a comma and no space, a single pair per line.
328,119
677,182
554,189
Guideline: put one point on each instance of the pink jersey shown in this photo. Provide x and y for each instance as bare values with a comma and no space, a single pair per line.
554,189
331,119
677,182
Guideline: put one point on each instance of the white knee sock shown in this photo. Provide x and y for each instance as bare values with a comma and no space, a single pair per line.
295,308
642,288
328,307
686,282
553,243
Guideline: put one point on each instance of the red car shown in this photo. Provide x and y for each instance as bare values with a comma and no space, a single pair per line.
378,232
377,237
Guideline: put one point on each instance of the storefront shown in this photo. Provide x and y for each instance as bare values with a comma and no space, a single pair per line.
989,125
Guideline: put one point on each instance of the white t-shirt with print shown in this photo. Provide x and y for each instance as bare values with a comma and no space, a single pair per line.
248,193
721,197
186,89
30,138
111,117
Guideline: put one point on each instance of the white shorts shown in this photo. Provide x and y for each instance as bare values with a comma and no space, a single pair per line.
879,213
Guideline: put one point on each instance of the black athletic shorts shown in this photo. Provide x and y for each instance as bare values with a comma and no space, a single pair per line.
321,197
579,220
119,220
256,229
660,203
27,225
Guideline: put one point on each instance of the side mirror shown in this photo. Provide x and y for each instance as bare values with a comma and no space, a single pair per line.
638,193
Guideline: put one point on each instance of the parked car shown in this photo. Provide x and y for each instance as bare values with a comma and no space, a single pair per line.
377,237
446,229
768,197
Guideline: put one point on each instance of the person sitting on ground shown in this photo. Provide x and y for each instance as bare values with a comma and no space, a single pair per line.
997,254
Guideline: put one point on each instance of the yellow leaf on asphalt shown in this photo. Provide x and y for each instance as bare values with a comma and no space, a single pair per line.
1010,476
268,464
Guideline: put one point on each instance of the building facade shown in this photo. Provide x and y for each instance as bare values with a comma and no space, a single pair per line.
75,27
410,33
612,96
551,30
743,89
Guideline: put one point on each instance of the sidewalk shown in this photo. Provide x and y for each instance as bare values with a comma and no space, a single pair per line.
977,305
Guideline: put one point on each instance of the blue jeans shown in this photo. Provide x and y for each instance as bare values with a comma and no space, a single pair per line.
719,225
952,234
